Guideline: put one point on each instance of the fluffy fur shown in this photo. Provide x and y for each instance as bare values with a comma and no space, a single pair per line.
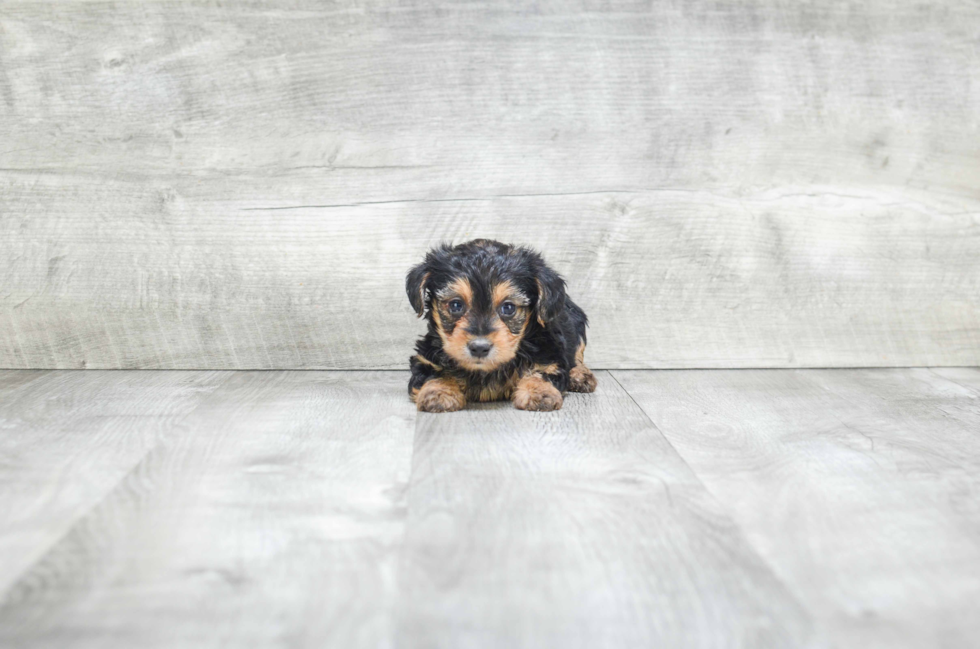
500,327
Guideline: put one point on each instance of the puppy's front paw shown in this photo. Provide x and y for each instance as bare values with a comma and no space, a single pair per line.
440,395
535,393
581,379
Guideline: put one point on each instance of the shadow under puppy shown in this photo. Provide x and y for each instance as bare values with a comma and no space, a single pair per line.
500,327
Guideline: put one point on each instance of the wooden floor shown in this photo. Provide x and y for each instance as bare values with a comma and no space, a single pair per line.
743,508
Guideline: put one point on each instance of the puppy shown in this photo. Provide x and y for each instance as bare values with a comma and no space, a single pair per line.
500,327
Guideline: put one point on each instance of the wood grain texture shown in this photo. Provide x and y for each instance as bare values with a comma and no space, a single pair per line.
966,377
825,507
68,438
272,519
576,528
859,488
213,185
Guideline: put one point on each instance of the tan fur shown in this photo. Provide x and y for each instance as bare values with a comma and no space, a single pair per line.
581,378
501,292
498,392
440,395
455,343
535,393
462,288
547,369
425,361
505,343
502,338
439,327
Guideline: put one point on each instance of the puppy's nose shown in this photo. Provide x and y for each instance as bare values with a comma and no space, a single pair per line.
479,347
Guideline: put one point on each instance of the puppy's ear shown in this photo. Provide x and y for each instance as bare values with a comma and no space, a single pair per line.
551,294
415,283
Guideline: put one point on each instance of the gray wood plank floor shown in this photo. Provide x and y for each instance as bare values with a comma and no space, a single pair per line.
859,487
742,508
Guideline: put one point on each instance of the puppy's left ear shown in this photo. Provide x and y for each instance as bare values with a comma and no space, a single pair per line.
551,294
415,287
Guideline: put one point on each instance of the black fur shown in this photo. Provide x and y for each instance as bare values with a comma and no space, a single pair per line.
554,331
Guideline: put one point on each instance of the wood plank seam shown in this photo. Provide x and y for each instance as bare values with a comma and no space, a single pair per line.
6,592
774,569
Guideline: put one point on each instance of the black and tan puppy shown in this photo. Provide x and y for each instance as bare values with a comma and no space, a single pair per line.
500,327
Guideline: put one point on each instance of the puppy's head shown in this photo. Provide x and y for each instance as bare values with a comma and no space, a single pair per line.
482,297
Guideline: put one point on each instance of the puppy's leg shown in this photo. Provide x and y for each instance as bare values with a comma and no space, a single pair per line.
534,392
581,378
422,370
440,394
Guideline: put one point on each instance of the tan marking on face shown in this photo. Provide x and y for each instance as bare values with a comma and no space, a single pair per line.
507,291
505,343
439,329
443,394
504,340
460,287
425,361
501,292
533,392
455,344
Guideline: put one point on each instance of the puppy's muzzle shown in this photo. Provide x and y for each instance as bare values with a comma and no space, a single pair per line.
479,347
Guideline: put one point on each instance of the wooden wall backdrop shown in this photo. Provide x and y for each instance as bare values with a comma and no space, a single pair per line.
724,184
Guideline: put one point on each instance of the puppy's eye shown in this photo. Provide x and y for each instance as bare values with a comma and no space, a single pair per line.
507,309
455,306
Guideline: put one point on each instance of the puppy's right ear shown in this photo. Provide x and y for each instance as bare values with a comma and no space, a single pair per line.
415,283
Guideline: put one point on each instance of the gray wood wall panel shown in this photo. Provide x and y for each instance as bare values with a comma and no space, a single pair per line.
729,184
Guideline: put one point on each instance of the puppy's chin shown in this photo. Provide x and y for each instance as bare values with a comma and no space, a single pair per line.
471,364
477,364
